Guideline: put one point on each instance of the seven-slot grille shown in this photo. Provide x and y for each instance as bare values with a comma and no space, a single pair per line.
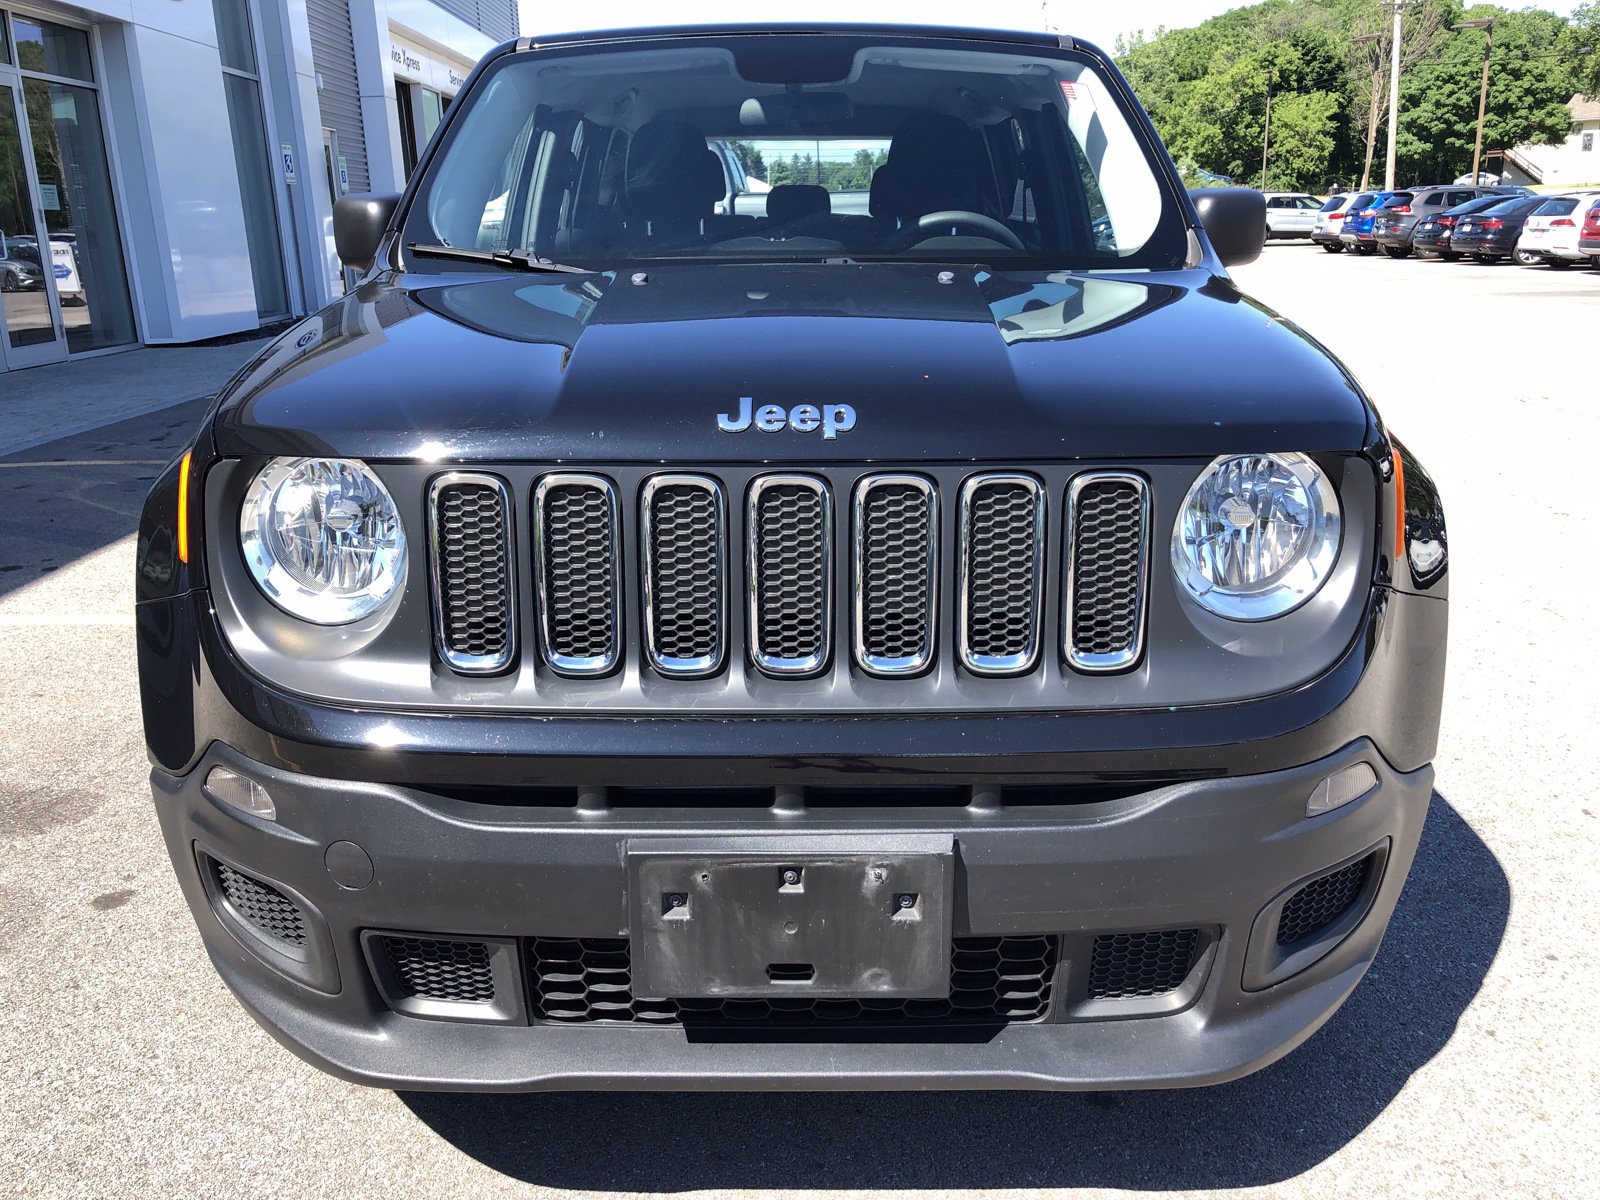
690,550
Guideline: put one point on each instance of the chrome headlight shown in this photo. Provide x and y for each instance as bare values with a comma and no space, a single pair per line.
323,539
1257,535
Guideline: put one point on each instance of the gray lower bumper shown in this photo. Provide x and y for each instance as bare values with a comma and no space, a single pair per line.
1214,854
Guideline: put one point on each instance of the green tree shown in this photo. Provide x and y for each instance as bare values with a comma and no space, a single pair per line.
751,159
1585,36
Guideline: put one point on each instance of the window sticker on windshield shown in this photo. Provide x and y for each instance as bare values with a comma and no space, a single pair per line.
1073,93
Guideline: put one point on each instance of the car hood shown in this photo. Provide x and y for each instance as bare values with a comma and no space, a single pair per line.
952,365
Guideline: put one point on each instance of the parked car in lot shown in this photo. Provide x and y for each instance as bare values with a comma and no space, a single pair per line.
1395,222
1551,232
1432,234
1330,218
1589,234
1357,231
1291,214
1492,234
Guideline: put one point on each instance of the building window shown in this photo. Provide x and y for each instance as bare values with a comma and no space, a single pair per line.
421,112
241,83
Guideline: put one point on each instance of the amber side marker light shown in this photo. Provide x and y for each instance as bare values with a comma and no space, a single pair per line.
183,509
1399,511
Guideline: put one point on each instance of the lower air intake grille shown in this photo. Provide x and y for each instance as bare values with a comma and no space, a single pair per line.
437,969
1141,964
578,543
992,980
1108,516
791,574
1322,902
261,905
1002,573
472,572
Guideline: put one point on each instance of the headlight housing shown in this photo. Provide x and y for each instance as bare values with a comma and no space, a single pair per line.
323,539
1256,535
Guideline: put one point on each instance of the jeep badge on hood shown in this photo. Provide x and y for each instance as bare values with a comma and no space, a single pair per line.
832,419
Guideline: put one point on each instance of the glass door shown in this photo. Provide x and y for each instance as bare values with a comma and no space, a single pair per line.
31,330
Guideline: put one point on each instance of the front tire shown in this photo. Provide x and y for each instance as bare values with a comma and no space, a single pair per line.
1340,249
1558,264
9,282
1367,251
1397,251
1487,259
1450,255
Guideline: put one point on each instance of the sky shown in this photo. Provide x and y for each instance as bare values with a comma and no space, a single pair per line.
1095,22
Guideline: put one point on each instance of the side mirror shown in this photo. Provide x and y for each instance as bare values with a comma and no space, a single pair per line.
359,222
1235,219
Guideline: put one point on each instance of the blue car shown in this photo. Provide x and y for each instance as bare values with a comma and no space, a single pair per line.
1357,232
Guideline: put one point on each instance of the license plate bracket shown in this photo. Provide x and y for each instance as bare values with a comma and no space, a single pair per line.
791,917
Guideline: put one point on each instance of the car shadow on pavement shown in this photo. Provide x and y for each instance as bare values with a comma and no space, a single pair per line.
1263,1129
78,494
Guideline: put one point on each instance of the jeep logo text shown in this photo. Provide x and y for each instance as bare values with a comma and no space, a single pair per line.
832,419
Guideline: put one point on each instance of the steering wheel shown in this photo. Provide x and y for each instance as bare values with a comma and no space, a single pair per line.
984,226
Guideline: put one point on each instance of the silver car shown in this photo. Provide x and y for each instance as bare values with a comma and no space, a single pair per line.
1291,214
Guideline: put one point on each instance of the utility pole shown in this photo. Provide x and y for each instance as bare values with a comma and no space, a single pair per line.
1487,25
1266,138
1394,95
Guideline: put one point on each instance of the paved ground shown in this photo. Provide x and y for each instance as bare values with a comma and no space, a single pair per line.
1466,1065
45,404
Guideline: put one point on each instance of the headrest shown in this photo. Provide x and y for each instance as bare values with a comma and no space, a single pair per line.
671,171
790,201
934,164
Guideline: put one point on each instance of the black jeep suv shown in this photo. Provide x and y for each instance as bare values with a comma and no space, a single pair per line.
905,620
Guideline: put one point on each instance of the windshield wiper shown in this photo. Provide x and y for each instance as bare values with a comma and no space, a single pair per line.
523,260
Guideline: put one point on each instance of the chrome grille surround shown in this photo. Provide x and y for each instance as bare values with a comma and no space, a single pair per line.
1100,561
445,570
579,584
882,563
674,591
809,653
984,648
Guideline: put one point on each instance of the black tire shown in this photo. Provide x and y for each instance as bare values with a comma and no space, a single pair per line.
1397,251
1332,249
1367,251
1595,262
1487,259
8,283
1558,264
1527,258
1450,255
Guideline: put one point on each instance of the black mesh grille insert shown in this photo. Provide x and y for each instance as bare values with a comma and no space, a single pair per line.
686,568
440,969
261,905
578,527
1107,570
789,541
992,980
474,572
1001,567
896,585
1322,902
1141,964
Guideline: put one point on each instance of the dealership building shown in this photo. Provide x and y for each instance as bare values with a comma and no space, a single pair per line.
168,167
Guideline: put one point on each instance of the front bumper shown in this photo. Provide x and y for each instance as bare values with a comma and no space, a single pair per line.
1216,855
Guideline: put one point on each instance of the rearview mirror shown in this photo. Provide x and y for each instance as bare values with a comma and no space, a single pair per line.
1235,221
359,222
785,109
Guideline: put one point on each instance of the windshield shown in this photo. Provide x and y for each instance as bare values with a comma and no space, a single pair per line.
796,148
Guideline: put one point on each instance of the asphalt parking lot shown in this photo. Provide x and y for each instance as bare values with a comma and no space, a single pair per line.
1468,1063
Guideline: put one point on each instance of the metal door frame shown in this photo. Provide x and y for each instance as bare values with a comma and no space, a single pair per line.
55,350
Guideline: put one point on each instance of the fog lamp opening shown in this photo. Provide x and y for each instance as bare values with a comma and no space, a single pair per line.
1340,788
236,791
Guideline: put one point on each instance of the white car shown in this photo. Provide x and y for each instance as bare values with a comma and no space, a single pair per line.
1291,214
1551,232
1325,223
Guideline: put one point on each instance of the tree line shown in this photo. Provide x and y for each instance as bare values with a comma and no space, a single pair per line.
1322,69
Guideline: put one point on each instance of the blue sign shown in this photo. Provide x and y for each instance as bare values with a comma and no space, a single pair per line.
62,271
